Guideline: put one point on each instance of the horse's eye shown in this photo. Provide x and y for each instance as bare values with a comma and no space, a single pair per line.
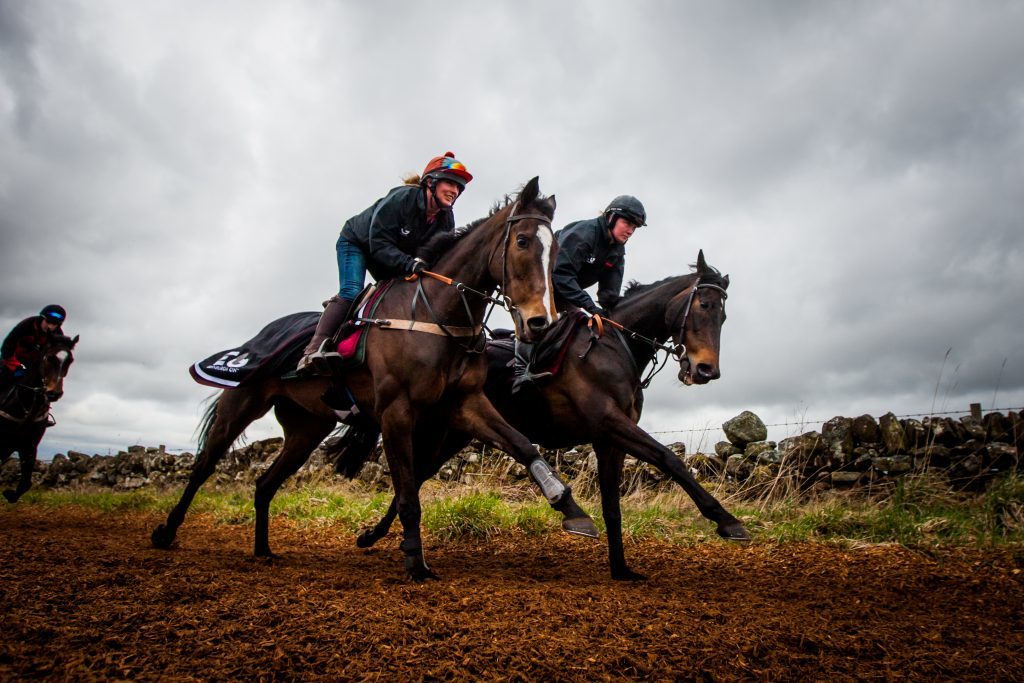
522,241
705,305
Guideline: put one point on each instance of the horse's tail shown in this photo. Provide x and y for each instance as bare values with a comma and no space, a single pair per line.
206,423
352,449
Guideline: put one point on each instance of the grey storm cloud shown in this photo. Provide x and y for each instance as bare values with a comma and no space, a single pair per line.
176,174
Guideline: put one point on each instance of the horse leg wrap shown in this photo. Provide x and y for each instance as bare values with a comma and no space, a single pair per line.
550,485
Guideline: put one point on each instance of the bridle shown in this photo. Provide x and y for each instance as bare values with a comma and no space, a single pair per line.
676,350
457,334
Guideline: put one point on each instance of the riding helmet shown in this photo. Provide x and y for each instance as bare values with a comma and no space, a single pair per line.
447,167
54,314
629,207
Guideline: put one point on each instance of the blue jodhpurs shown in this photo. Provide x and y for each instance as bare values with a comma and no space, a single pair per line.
351,269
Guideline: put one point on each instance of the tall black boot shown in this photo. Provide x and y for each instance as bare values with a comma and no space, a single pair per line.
314,357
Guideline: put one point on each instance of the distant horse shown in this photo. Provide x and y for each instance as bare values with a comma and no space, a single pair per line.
597,395
25,409
422,378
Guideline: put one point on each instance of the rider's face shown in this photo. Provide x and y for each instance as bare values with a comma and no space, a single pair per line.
48,326
622,230
447,192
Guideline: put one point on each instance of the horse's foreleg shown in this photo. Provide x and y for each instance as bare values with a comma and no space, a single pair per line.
235,412
302,433
27,461
397,423
424,471
478,417
609,476
625,434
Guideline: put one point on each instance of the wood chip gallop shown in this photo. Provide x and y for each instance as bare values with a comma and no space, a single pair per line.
84,597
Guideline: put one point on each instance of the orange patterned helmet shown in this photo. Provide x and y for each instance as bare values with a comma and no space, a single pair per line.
447,167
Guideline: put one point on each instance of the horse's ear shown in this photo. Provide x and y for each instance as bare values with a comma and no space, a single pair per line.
547,205
74,341
725,282
530,192
702,265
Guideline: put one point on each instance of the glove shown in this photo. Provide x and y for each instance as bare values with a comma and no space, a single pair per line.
599,311
418,266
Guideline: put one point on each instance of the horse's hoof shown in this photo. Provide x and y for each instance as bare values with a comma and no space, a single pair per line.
627,574
734,531
162,537
580,526
11,496
366,539
421,575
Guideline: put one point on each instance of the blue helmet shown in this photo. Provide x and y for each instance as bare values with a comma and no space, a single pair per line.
54,314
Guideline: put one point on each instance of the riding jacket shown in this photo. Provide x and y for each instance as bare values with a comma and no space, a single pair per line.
24,344
587,254
391,230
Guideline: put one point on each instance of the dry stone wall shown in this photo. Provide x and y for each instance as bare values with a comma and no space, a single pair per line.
845,452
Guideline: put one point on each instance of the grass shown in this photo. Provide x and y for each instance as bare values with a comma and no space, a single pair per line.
918,511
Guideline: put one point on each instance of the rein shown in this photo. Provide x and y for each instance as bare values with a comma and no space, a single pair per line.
675,350
459,333
34,404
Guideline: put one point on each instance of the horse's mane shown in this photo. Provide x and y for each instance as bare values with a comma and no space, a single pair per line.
442,242
712,276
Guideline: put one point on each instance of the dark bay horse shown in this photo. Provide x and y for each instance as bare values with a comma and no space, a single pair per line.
598,395
419,382
25,409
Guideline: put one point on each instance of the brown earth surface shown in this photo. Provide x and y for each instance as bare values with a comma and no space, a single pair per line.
83,596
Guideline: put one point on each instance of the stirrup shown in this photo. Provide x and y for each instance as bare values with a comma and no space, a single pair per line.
528,377
317,362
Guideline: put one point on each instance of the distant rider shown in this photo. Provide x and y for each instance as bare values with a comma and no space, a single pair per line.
383,240
590,251
22,348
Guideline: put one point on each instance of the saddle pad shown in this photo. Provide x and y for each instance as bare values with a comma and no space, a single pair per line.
277,346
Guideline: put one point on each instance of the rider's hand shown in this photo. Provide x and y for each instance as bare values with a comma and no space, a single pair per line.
418,266
599,311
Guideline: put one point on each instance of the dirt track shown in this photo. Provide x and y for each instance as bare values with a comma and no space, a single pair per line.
84,597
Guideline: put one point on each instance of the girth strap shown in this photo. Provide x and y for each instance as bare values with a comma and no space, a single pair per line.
430,328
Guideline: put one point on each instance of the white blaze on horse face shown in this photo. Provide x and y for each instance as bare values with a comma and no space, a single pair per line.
62,357
546,238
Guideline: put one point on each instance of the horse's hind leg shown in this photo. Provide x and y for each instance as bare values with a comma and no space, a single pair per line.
609,474
303,431
235,410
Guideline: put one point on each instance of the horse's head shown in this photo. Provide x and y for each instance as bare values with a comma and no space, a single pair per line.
53,367
695,317
527,257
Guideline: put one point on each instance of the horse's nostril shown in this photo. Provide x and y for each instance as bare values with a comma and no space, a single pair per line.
537,323
707,370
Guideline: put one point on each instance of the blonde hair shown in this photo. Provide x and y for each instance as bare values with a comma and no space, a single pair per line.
411,179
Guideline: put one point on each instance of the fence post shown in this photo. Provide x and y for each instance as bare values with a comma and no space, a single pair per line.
976,410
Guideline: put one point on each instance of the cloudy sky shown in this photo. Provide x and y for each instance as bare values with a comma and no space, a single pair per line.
175,174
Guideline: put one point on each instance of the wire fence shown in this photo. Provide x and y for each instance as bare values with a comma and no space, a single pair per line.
800,424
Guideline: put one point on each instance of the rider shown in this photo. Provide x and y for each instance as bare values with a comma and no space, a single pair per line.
383,239
22,348
589,251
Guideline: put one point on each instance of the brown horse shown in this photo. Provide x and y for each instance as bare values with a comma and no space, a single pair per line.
25,409
419,381
598,394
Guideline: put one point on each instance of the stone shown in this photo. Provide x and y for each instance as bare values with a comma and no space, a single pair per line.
724,450
744,428
865,429
893,464
838,436
894,438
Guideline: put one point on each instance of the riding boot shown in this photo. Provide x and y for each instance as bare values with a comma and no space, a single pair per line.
521,373
314,357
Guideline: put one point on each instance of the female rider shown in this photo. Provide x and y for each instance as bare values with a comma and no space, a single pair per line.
383,239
